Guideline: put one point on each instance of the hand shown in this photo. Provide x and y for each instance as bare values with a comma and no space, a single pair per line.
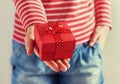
55,65
99,35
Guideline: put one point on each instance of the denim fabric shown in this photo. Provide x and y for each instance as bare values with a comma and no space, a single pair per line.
86,67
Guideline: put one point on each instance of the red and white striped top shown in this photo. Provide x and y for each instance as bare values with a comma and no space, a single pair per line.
82,16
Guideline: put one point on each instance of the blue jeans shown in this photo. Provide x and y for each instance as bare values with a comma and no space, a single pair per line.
86,67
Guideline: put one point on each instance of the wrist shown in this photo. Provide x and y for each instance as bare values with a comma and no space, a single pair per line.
30,31
105,27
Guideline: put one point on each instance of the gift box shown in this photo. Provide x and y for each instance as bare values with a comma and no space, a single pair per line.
54,41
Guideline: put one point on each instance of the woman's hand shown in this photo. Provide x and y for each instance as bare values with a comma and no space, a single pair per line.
99,35
55,65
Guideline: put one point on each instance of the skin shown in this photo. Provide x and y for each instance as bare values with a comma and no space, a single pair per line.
99,35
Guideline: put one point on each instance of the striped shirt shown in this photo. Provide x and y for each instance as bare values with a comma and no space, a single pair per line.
82,16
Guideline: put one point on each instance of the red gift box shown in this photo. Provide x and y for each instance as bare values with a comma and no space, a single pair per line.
54,41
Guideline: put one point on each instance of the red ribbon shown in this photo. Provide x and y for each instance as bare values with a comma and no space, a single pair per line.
56,29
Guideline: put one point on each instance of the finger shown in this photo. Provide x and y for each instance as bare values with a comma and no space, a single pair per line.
36,51
66,62
52,65
29,45
68,59
62,66
93,39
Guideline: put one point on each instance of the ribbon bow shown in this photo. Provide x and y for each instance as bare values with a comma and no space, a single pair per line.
59,29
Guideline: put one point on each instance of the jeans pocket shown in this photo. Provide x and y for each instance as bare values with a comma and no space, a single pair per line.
99,50
92,54
17,51
86,60
99,46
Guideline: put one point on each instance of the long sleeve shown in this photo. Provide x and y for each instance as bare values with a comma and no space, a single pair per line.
103,13
30,12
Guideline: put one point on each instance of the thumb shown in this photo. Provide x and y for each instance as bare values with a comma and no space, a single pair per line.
36,51
29,45
29,40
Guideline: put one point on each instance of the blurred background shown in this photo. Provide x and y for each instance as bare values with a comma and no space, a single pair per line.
111,58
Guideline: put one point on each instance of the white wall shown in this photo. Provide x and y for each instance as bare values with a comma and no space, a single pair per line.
6,27
112,49
111,54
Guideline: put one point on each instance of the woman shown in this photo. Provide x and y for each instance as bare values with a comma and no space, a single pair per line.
89,21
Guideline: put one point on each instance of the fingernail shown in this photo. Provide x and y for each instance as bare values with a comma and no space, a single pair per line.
29,54
91,44
68,66
68,60
57,71
64,70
